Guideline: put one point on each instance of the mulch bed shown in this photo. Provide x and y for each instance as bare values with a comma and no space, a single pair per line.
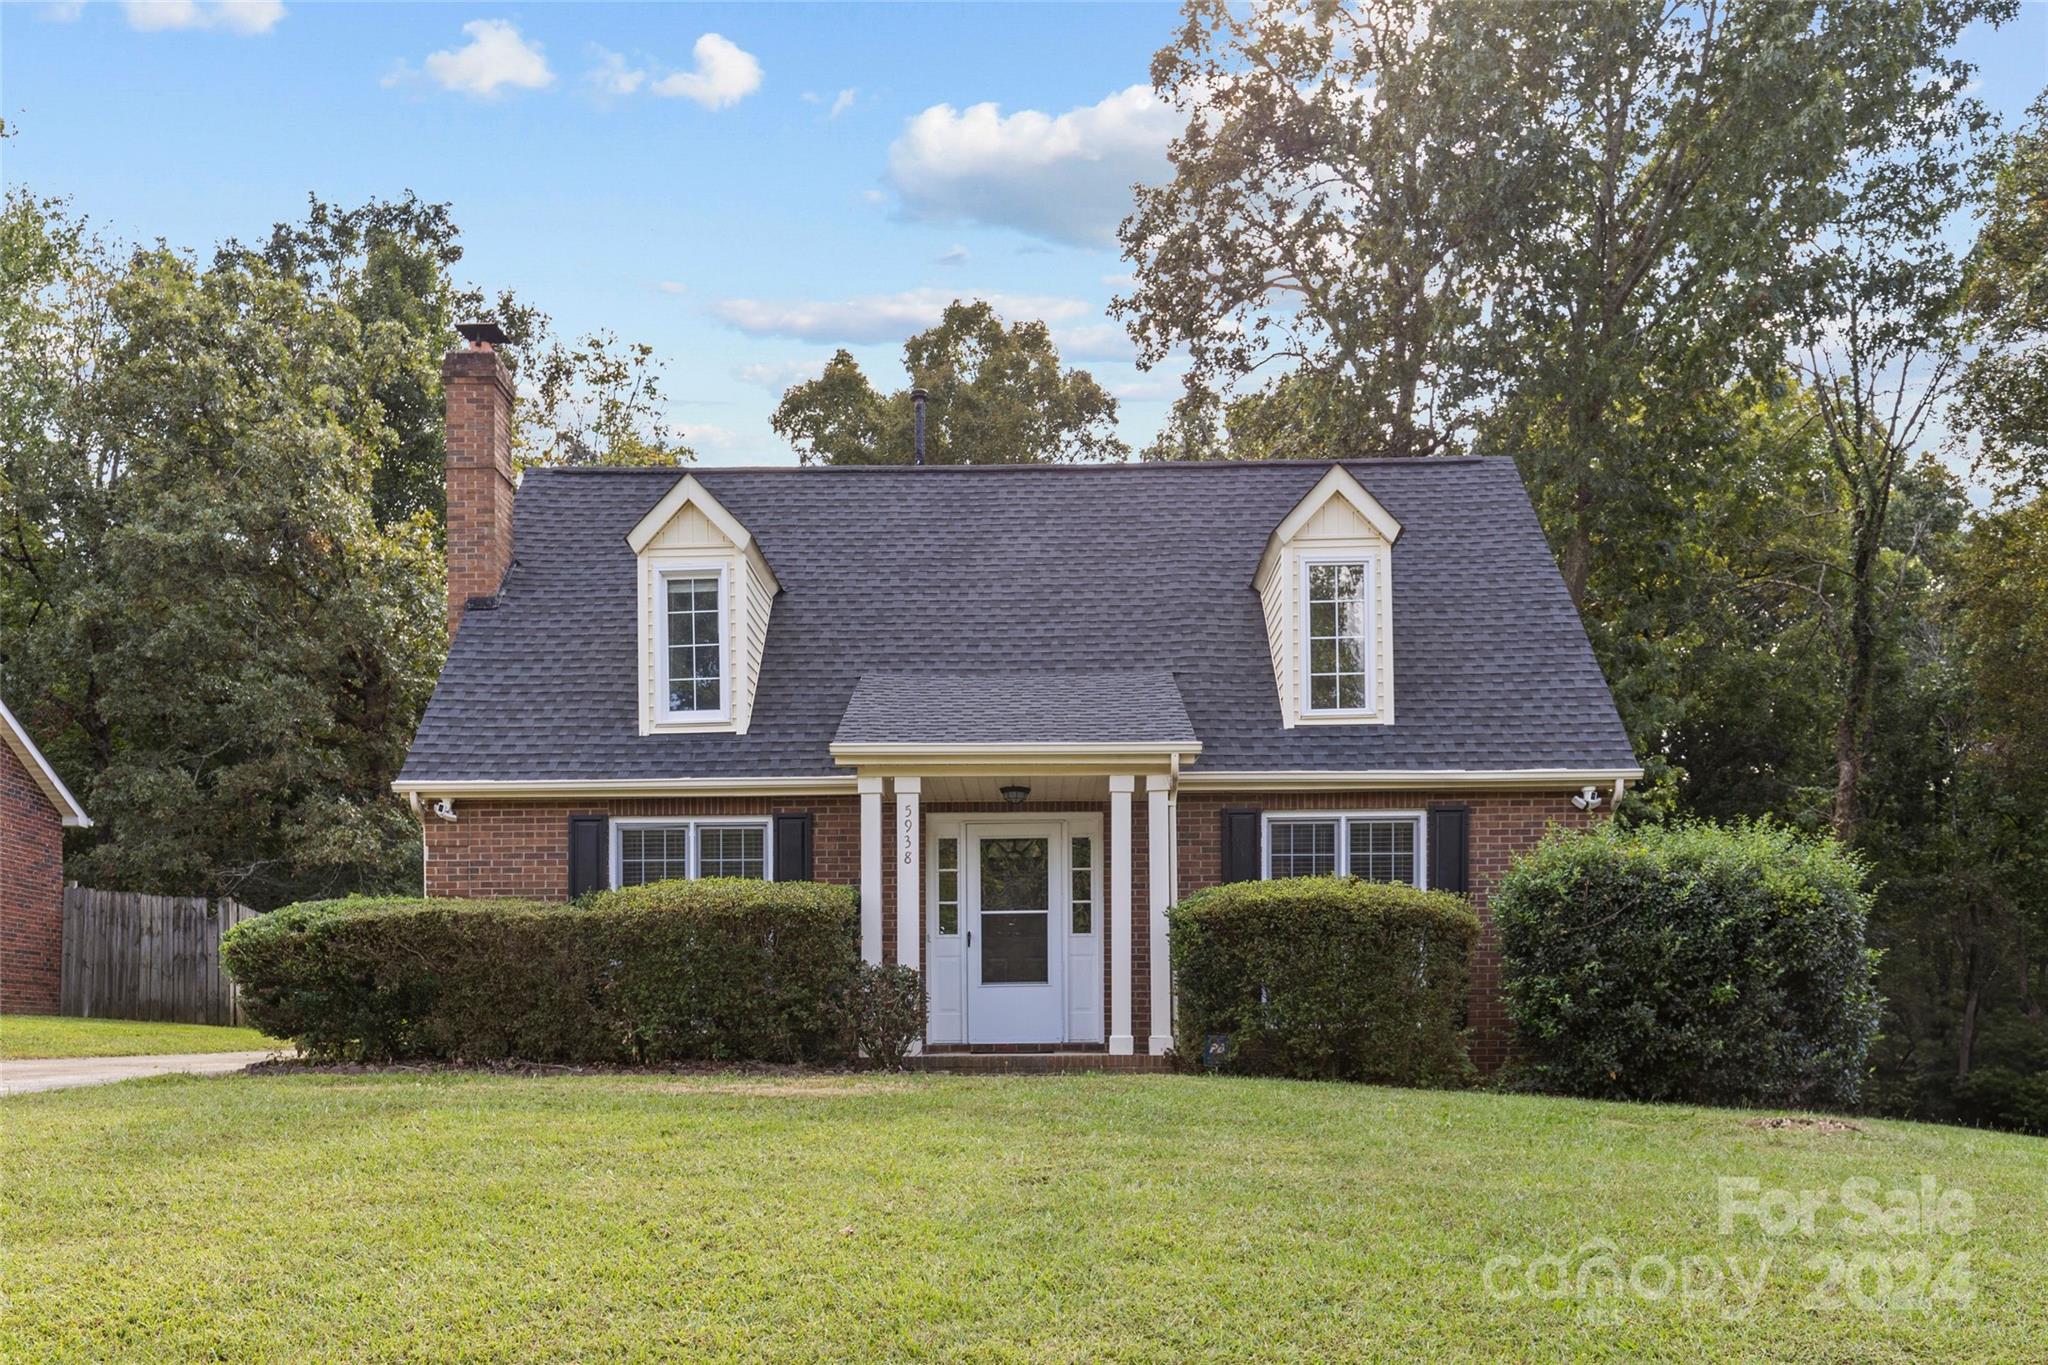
1804,1124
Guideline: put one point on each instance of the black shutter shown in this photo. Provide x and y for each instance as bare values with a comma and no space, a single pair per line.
1241,854
793,848
1448,852
586,855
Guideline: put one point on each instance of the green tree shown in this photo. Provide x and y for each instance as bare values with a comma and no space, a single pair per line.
2004,387
391,264
1557,230
1320,216
224,646
596,401
997,395
1883,341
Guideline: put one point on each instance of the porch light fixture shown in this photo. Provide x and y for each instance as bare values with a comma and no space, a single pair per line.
1015,794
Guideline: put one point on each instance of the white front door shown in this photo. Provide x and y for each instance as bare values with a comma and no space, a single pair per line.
1014,911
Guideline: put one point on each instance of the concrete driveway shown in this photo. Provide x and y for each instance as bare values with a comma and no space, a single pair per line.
63,1073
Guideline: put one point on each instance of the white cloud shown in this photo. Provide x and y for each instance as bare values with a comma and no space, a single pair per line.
1148,389
1066,178
880,317
62,12
1094,341
726,74
673,287
236,16
495,57
612,76
841,102
955,254
780,374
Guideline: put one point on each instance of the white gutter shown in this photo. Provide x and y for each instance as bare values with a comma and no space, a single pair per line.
1310,780
828,785
943,752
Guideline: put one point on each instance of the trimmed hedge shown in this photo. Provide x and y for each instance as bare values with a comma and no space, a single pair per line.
1690,963
719,969
1325,977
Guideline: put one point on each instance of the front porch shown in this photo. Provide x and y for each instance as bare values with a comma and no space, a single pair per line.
1017,842
1033,901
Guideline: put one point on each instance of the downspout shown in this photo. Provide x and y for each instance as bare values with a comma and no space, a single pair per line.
412,798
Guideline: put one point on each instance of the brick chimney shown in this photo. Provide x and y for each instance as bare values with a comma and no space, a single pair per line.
477,390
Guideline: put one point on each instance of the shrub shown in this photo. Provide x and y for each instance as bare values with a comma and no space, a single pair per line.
711,970
1325,977
885,1013
1689,963
726,968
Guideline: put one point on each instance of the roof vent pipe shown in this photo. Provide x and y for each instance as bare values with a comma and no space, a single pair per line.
917,397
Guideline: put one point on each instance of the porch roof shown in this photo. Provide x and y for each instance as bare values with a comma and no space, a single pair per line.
1106,708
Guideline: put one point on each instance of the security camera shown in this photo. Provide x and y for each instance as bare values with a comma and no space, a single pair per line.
446,808
1587,799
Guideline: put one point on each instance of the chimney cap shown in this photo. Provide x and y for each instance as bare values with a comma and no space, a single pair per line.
919,395
482,335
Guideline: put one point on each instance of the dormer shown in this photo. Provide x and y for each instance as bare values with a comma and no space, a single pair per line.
1326,586
705,591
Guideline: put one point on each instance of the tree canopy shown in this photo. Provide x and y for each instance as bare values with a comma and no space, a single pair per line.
997,394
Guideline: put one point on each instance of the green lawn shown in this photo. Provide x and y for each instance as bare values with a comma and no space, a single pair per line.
48,1035
429,1216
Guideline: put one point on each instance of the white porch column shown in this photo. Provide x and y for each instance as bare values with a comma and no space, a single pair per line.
909,904
870,869
1120,789
1161,841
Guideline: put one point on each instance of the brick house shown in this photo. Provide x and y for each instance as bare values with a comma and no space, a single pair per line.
1023,709
35,810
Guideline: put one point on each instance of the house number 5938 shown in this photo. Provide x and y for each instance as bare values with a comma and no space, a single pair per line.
909,836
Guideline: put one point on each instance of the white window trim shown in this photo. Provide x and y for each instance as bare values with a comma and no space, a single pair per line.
1366,562
1094,871
762,823
1343,821
664,570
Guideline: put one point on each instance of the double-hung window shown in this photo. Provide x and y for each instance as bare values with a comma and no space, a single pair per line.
1375,846
694,655
1337,602
664,850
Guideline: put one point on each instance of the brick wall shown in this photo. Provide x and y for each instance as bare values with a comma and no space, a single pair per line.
506,848
522,849
477,391
1502,824
31,892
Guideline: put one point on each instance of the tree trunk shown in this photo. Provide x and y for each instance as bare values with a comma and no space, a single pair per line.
1860,673
1966,1040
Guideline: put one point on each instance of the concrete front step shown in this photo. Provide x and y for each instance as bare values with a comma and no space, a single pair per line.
1032,1063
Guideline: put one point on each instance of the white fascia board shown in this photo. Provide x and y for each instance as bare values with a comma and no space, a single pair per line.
658,786
1338,483
69,811
1412,778
953,754
687,492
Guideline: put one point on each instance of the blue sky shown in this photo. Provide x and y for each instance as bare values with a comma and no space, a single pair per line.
746,187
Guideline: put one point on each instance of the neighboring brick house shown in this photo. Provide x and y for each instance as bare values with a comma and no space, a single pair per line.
1021,708
35,810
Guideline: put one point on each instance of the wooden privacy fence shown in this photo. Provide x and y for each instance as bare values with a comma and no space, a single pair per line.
131,956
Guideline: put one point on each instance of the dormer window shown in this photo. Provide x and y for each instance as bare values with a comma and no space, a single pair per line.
1325,584
705,595
693,643
1339,602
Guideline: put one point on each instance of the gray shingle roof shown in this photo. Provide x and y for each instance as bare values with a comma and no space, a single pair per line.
1003,570
1016,708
